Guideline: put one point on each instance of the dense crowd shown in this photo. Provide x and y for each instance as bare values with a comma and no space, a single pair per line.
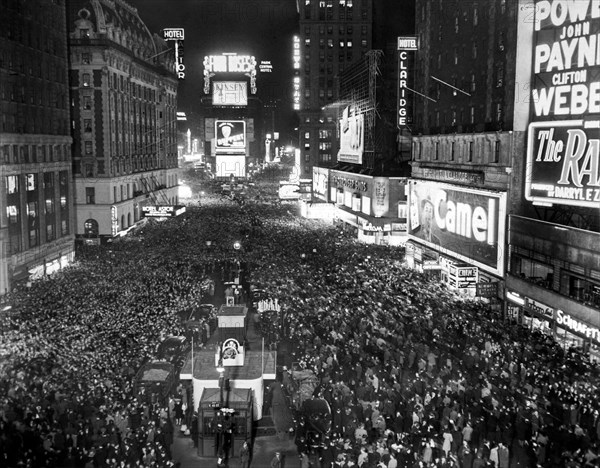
412,373
418,376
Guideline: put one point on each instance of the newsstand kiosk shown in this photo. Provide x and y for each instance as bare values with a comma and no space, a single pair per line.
227,427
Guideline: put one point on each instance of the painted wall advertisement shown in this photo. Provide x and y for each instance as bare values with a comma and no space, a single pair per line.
352,137
563,162
230,136
464,223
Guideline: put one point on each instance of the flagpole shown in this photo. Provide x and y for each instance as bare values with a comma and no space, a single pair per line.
263,356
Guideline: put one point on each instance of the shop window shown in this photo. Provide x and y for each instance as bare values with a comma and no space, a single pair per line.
533,271
581,289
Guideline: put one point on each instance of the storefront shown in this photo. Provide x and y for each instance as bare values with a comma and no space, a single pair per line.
374,209
562,326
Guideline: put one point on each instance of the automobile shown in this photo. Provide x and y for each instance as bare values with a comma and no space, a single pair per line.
173,349
155,381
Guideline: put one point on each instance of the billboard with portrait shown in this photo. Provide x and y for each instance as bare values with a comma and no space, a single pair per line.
464,223
563,161
230,136
352,137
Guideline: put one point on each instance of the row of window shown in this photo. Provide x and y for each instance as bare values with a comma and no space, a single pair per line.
22,154
342,29
448,151
34,64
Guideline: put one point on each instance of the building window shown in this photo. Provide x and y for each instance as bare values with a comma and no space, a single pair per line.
452,150
88,147
307,157
86,79
90,195
436,154
30,182
87,102
472,115
474,50
475,17
12,184
496,154
84,33
87,125
456,24
85,58
455,56
470,154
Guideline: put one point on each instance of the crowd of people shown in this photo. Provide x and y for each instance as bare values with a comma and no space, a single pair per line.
412,372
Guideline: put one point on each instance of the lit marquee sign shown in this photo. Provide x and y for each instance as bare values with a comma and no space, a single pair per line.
406,46
230,93
265,66
296,94
229,63
563,160
230,136
177,35
296,54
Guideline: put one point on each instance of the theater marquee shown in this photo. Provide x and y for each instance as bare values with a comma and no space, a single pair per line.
563,162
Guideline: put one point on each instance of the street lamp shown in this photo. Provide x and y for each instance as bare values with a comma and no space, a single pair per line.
237,245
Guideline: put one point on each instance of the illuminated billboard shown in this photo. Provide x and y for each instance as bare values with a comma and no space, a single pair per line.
563,161
406,47
352,132
229,63
230,93
230,136
228,165
464,223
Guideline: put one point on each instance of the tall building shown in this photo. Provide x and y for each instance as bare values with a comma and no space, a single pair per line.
36,198
468,132
333,34
123,102
503,200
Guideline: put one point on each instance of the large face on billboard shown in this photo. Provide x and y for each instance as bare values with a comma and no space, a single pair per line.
230,93
464,223
230,136
562,160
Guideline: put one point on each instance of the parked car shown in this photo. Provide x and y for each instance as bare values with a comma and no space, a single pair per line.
173,349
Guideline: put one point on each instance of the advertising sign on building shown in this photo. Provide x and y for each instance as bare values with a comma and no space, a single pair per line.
464,223
230,136
230,93
162,211
352,131
462,276
563,162
406,47
177,35
487,289
381,200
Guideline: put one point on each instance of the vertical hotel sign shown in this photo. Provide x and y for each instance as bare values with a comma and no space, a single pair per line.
296,93
563,161
177,35
407,45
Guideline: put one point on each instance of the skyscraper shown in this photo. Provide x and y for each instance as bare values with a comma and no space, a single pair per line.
333,34
36,198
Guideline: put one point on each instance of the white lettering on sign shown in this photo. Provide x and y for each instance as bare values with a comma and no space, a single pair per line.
172,34
566,320
407,43
464,220
558,12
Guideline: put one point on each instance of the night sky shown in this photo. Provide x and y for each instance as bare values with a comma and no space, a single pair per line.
263,28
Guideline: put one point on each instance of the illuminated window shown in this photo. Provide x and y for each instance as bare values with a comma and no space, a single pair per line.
472,115
498,112
475,17
85,58
456,24
84,33
321,43
330,43
349,44
502,6
363,43
30,182
473,82
86,79
307,42
455,56
342,43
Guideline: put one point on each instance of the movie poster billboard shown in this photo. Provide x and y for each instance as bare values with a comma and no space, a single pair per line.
464,223
230,136
320,183
352,137
563,163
